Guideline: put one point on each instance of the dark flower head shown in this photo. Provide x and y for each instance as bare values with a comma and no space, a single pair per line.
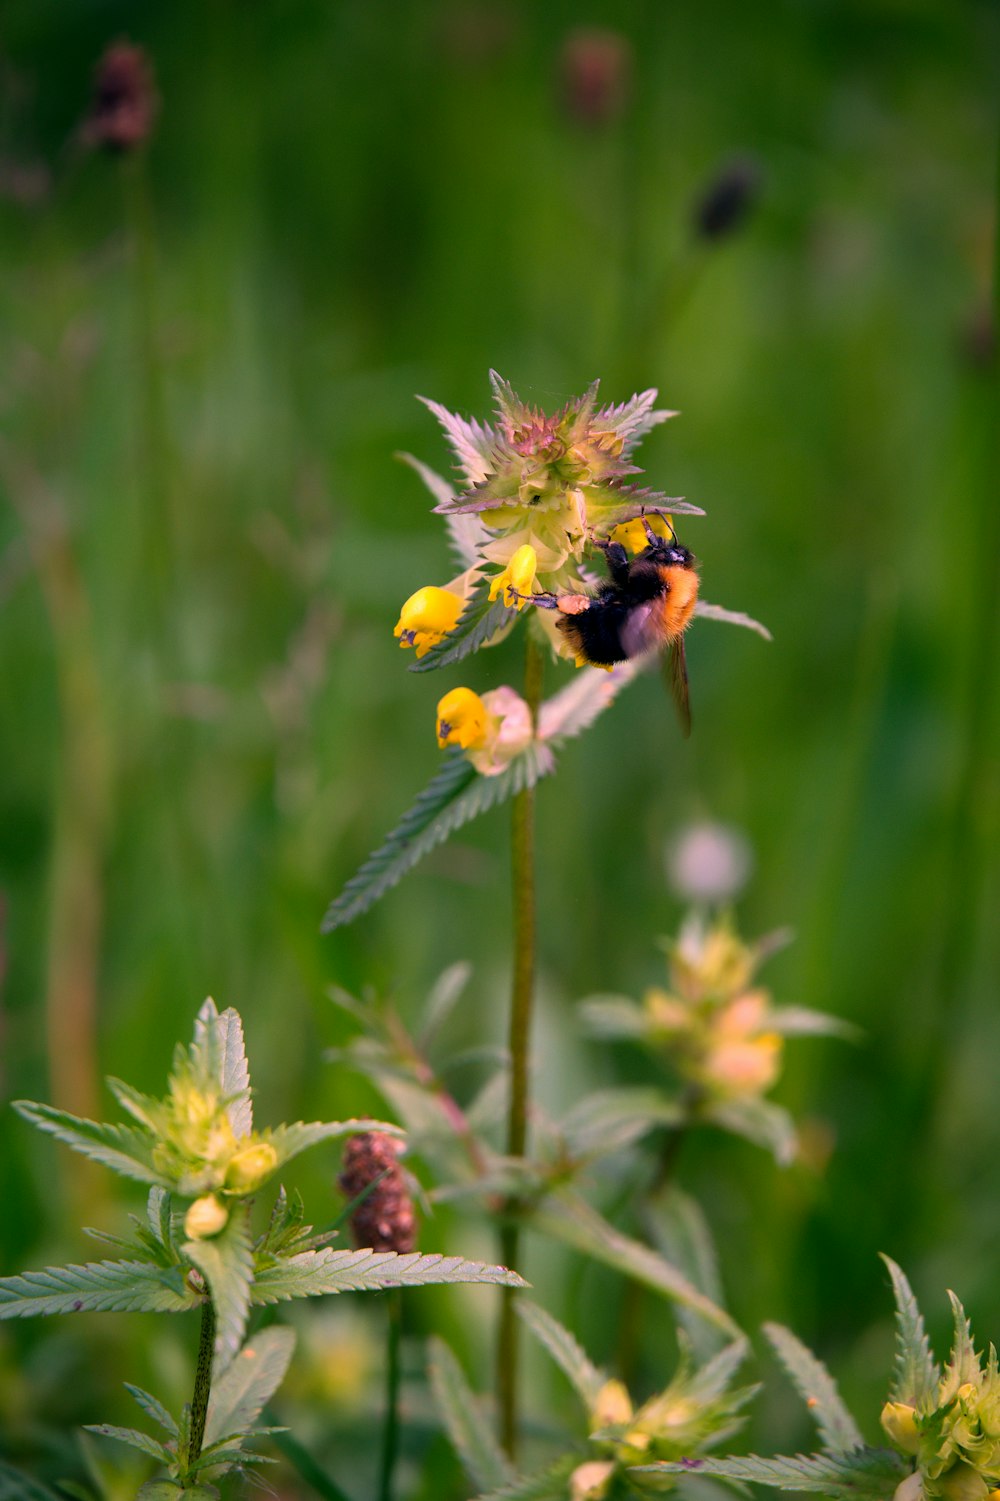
124,102
385,1219
728,199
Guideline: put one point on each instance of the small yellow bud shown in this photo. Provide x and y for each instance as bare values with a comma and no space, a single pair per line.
737,1069
900,1423
462,719
248,1169
613,1405
962,1483
591,1481
518,579
427,617
205,1218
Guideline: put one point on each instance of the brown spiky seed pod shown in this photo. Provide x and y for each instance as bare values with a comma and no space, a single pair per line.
124,102
385,1219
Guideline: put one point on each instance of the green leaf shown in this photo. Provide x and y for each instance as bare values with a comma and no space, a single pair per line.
142,1107
678,1228
226,1263
480,620
566,1217
871,1473
289,1141
158,1215
15,1485
837,1429
457,794
800,1021
470,1434
247,1383
445,992
613,1016
731,617
761,1121
916,1371
315,1273
549,1485
169,1490
123,1149
152,1408
575,707
565,1351
607,1120
963,1362
97,1286
134,1438
711,1381
234,1071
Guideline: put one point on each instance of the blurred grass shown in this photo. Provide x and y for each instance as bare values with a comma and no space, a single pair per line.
354,203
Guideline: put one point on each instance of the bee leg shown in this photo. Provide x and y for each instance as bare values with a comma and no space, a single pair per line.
616,557
543,601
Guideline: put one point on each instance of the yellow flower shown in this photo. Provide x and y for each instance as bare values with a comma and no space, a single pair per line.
463,719
632,534
899,1421
206,1217
248,1169
591,1480
520,577
613,1405
427,617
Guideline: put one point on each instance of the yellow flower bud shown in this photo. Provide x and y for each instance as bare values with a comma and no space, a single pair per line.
427,617
613,1405
745,1068
205,1218
900,1423
962,1483
463,720
591,1481
249,1168
519,578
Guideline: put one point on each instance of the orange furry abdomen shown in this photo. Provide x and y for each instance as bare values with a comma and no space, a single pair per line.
676,605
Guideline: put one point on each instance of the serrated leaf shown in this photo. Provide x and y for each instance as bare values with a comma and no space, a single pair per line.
916,1371
158,1215
141,1107
289,1141
123,1149
234,1071
547,1485
760,1121
575,707
315,1273
226,1263
677,1227
870,1473
153,1408
963,1362
568,1355
248,1382
607,1120
712,1379
567,1217
731,617
471,441
96,1287
134,1438
481,619
469,1432
169,1490
837,1429
632,419
457,794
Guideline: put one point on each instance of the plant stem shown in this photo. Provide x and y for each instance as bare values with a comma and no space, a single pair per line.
202,1381
522,997
390,1432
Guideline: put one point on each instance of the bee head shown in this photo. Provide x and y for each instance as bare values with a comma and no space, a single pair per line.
670,553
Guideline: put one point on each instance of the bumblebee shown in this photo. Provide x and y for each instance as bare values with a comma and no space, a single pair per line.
645,606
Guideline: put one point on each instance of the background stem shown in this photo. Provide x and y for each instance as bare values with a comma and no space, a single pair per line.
390,1432
522,997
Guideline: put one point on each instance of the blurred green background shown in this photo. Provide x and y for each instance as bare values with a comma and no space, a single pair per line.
209,359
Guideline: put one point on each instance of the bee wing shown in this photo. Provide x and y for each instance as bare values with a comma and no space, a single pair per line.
638,632
675,672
